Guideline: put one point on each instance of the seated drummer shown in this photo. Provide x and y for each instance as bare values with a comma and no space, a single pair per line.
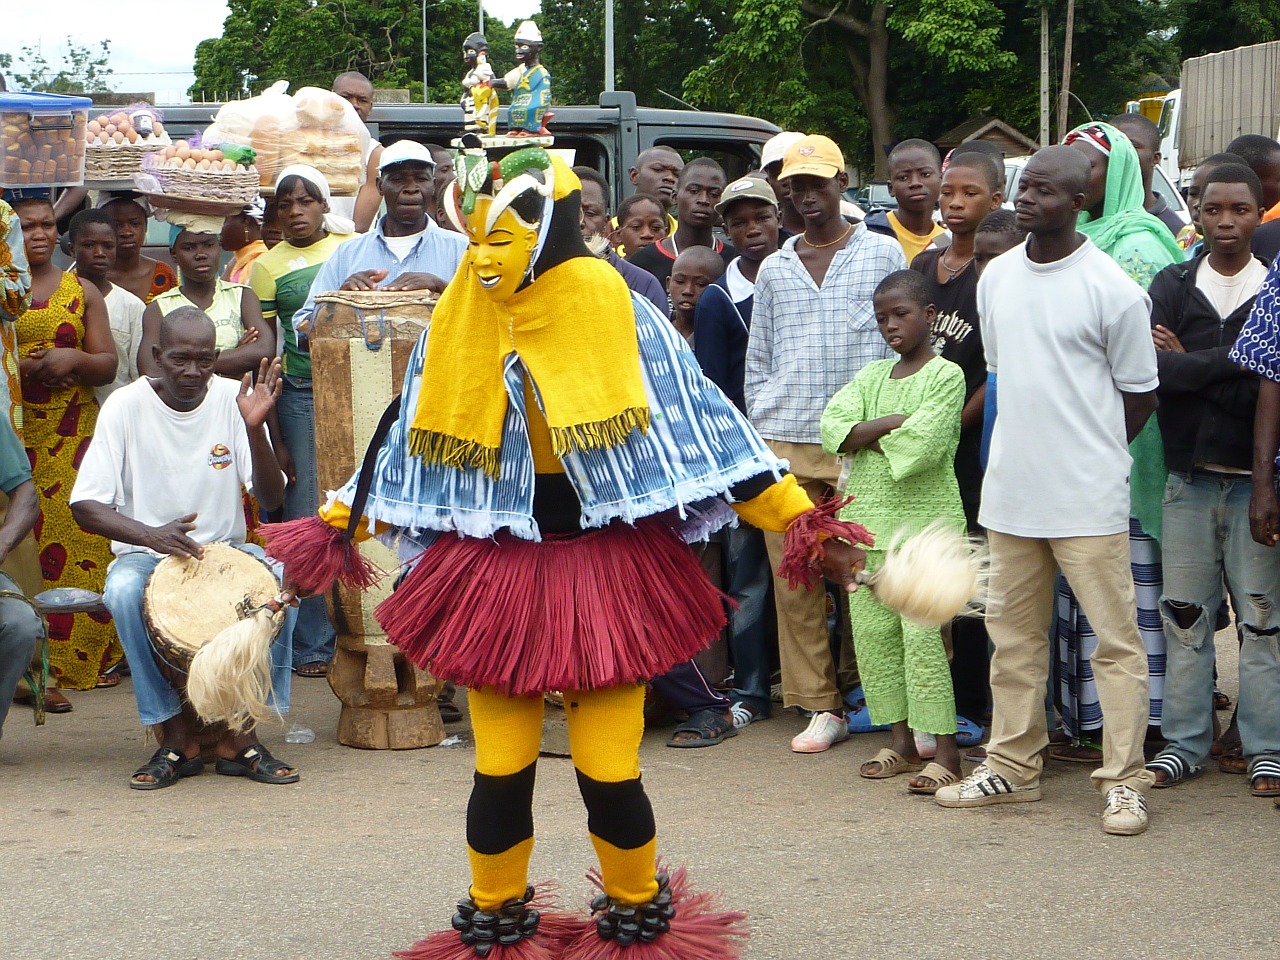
407,250
20,628
163,476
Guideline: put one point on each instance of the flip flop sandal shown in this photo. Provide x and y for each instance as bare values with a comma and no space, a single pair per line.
267,770
1264,768
1233,762
892,764
166,767
1220,700
1084,751
711,728
106,681
1175,769
313,669
940,776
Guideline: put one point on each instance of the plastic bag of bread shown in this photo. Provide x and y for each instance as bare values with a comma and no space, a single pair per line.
329,136
258,122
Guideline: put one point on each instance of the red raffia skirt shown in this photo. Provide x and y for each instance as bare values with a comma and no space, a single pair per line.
593,610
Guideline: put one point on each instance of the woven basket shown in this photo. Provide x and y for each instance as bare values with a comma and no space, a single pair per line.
118,161
238,187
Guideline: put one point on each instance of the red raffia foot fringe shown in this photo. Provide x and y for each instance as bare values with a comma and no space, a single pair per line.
316,555
609,607
556,930
802,549
698,932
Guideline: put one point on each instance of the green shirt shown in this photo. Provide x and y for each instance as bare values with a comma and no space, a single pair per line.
913,481
282,278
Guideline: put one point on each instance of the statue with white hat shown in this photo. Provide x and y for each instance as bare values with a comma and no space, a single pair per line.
530,83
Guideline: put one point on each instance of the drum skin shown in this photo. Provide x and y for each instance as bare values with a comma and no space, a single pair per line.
187,602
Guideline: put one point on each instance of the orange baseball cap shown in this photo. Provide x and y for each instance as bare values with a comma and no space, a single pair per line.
813,155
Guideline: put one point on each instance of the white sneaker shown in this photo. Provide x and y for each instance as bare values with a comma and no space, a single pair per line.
984,787
1125,813
824,729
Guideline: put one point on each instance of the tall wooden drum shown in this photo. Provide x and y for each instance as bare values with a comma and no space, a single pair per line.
360,346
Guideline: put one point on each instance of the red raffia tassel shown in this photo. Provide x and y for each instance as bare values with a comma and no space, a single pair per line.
802,545
316,555
699,931
556,930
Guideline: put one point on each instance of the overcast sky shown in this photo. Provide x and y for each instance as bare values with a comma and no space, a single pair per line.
152,45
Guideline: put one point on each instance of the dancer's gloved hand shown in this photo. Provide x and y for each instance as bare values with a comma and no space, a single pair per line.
842,562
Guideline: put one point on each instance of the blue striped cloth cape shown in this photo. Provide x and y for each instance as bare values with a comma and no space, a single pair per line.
697,446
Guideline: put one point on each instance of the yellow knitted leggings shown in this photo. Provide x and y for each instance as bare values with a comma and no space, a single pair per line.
605,727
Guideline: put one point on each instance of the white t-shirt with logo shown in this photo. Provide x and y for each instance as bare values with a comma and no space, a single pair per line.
156,464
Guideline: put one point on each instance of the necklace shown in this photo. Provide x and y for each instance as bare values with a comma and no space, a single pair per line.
829,243
951,274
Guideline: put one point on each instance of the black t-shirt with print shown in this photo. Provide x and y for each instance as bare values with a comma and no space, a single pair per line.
957,337
658,260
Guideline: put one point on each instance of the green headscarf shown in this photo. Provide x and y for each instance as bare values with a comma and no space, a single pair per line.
1142,246
1138,241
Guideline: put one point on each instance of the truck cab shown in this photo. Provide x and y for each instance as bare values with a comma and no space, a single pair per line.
607,136
1170,115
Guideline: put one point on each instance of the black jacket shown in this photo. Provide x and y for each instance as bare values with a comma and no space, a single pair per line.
1206,401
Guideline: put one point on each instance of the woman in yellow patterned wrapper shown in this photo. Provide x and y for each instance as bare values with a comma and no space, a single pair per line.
65,349
555,448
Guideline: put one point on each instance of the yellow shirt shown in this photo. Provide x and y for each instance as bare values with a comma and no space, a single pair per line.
913,243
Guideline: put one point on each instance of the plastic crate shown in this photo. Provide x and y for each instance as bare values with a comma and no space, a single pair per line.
43,139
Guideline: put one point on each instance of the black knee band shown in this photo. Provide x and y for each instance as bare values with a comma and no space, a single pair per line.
618,813
500,812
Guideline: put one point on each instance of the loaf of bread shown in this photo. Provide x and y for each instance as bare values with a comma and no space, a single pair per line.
42,150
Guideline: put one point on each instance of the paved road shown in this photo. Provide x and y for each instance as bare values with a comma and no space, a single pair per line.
365,854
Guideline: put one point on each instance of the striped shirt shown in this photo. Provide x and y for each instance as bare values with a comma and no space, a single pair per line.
697,447
808,341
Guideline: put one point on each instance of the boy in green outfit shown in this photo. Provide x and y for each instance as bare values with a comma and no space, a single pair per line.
900,420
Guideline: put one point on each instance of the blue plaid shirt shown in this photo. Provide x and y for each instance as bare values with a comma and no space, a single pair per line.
809,341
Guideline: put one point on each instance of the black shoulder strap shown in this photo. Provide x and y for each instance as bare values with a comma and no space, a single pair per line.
389,417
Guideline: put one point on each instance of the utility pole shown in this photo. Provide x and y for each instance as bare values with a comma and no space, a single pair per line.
426,97
608,46
480,4
1044,74
1064,95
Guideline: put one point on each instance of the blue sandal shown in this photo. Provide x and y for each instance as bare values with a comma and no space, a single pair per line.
1175,769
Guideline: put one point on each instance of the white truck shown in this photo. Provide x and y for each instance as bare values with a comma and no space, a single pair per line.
1222,96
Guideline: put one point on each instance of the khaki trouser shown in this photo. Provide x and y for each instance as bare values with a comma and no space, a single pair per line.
1019,612
804,646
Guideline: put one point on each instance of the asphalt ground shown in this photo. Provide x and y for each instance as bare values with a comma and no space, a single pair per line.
365,855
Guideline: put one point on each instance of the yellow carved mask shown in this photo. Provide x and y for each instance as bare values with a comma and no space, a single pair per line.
501,256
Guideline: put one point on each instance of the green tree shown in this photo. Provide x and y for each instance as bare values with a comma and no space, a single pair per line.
308,43
658,43
774,42
1207,26
83,69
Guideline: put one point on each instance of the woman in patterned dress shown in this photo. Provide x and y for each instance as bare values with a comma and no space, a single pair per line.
65,350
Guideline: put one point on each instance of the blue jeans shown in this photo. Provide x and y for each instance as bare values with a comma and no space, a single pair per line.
747,563
157,700
314,641
20,633
1206,536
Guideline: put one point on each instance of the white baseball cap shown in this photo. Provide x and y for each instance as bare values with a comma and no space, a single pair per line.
775,148
405,151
